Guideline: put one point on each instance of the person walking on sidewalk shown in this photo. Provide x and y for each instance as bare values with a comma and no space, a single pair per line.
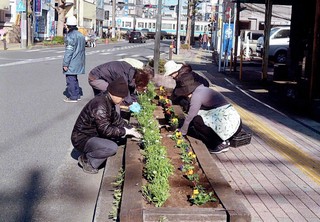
210,117
132,70
204,40
99,127
73,60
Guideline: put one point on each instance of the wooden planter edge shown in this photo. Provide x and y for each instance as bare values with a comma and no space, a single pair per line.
236,210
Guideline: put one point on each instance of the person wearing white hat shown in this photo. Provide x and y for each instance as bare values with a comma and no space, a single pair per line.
134,62
73,60
171,68
176,71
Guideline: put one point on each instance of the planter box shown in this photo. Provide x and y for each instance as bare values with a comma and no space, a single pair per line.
132,204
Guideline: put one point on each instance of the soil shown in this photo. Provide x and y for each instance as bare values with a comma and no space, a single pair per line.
180,186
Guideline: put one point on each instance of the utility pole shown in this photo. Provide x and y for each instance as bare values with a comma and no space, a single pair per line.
113,18
178,27
156,56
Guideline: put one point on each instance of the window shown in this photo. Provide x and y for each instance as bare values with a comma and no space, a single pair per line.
166,26
140,25
282,34
127,25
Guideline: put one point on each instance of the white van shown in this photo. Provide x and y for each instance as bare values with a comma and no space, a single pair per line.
249,41
278,44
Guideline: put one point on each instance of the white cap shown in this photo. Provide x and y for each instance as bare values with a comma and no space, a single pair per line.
72,20
171,67
133,62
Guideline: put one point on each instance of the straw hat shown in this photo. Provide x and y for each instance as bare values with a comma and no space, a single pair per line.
171,67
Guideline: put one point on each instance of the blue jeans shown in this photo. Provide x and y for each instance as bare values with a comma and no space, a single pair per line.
73,89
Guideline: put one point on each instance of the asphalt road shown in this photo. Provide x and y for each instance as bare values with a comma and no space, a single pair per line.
40,178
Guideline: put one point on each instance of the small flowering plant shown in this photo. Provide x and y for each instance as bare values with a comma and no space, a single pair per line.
177,136
200,196
174,121
162,100
162,90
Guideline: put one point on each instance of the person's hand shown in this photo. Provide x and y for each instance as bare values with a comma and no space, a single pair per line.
135,107
65,68
133,132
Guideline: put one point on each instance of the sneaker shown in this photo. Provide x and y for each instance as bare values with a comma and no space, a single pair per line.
79,99
87,168
223,147
68,100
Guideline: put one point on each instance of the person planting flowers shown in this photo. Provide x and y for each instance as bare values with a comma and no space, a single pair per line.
211,118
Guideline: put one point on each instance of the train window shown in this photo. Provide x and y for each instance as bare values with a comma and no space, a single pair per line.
140,25
181,27
173,26
127,25
145,25
166,26
197,28
153,25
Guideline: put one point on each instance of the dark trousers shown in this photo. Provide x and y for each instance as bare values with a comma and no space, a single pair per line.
206,134
73,89
97,150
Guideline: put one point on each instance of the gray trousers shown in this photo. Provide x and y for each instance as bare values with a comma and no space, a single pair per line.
97,150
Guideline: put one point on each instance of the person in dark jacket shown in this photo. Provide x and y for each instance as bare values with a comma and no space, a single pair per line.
135,75
212,118
177,70
99,127
73,60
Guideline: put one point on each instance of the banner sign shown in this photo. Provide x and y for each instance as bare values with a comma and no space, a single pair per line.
37,7
227,37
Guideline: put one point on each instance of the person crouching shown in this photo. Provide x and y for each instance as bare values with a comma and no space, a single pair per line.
99,127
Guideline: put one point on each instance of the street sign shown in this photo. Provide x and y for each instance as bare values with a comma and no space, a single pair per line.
21,7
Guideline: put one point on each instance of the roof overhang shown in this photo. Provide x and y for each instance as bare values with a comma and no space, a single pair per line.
274,2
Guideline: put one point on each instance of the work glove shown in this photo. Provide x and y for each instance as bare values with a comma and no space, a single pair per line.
133,132
135,107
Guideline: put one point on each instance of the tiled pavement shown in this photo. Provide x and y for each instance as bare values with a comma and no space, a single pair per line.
278,174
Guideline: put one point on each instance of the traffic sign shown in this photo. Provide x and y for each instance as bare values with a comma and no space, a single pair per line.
21,7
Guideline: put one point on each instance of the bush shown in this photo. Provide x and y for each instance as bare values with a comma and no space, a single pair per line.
57,40
161,65
185,46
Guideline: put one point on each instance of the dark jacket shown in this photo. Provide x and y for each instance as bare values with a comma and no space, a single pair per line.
111,71
98,119
74,56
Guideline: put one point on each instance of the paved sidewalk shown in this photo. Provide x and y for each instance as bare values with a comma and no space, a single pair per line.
278,174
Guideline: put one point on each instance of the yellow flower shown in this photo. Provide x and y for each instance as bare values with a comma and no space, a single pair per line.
190,172
179,141
178,134
161,97
190,153
168,100
161,88
195,192
194,156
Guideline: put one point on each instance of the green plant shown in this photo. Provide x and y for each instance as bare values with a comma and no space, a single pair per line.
161,68
56,40
158,167
200,196
117,194
185,46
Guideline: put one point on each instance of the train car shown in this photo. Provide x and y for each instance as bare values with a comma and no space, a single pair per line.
168,26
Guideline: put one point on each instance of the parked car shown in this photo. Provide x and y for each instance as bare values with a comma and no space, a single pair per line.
278,44
249,41
136,36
